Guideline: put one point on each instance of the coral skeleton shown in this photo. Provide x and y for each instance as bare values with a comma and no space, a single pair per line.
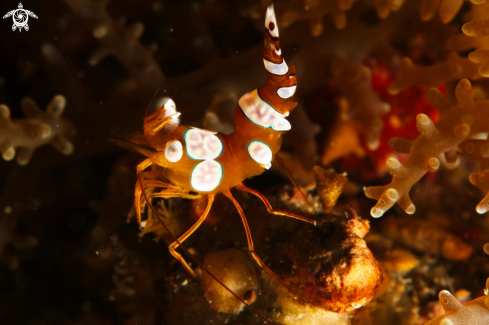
38,129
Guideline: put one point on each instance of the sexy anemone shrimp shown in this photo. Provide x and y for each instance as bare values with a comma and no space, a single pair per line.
195,163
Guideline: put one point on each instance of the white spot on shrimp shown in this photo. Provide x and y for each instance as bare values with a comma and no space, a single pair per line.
281,124
173,151
206,176
261,153
278,69
202,144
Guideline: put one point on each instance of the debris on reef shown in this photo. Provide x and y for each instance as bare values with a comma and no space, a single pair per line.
426,236
329,186
454,68
338,272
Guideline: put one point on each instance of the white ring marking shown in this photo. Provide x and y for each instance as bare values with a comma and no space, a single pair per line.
257,110
261,153
286,92
278,69
281,124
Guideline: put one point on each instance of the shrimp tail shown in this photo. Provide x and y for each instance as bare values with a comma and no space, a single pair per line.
281,85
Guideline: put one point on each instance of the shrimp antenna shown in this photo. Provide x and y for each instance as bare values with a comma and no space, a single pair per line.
151,101
84,91
292,180
200,264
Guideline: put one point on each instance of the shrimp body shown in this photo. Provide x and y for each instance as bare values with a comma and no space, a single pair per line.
208,163
260,119
217,161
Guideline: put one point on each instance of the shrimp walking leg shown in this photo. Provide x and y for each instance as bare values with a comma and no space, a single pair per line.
262,197
251,246
189,232
148,181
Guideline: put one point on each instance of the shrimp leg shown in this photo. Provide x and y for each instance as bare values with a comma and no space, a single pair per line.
270,210
251,246
189,232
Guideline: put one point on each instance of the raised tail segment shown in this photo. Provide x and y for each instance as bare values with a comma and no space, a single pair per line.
269,105
282,83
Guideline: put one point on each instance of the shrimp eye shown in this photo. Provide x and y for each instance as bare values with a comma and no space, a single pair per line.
173,151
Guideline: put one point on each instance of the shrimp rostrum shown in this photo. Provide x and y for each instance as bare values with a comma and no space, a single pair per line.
196,162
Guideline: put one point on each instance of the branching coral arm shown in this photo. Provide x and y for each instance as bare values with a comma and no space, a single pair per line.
479,151
457,123
38,129
119,41
453,68
447,9
362,105
479,28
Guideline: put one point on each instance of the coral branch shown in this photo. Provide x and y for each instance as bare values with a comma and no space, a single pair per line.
453,68
474,312
447,9
478,150
426,236
456,124
38,129
314,11
479,29
385,7
120,42
363,105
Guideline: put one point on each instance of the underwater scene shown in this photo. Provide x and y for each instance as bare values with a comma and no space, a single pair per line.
321,162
